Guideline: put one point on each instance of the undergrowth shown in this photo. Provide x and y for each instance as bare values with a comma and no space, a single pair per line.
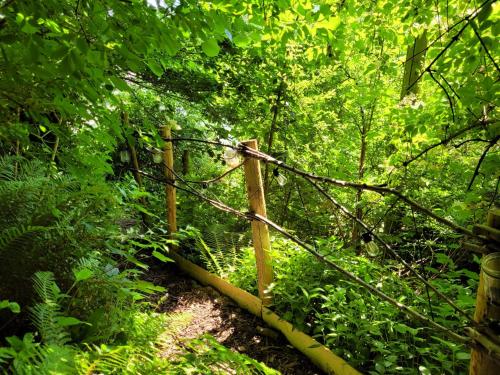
370,334
71,282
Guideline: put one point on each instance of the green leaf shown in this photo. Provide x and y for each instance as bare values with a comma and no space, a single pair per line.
463,355
330,24
12,306
83,274
210,47
29,29
119,83
161,257
155,67
241,40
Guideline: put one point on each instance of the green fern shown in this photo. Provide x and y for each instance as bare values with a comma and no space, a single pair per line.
9,237
209,258
46,315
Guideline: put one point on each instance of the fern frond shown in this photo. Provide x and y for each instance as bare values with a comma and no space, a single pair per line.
12,235
45,314
211,261
103,360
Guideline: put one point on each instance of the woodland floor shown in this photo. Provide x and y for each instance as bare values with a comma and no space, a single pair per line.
212,313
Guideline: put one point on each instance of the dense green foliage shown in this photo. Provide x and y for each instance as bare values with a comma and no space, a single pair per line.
373,335
328,86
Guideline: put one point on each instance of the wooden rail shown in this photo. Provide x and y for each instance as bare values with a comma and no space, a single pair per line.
319,354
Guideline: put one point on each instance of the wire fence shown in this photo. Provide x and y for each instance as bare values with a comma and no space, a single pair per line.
218,239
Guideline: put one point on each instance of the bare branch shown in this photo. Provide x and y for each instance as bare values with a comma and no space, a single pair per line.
455,38
483,155
474,27
446,93
352,216
252,216
381,189
476,124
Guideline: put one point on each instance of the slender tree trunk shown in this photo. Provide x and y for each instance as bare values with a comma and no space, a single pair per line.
284,213
355,237
270,138
414,62
135,164
185,162
17,147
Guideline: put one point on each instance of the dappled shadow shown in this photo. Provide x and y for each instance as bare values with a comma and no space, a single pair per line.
215,314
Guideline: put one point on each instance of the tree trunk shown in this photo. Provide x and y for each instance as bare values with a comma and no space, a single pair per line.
361,172
270,138
414,62
185,162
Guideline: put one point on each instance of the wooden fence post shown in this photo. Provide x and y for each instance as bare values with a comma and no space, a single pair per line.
487,301
260,231
168,160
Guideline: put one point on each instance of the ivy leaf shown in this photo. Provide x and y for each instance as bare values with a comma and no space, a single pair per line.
210,47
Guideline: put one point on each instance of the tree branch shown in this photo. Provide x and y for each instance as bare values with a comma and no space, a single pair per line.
352,216
446,93
447,140
381,189
255,217
469,19
483,155
474,27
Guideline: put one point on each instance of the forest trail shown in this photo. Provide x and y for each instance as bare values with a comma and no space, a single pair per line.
209,312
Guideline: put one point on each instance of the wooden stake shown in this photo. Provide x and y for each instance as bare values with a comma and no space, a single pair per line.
487,303
260,231
168,160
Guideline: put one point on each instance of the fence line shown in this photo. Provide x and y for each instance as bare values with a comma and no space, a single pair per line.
258,216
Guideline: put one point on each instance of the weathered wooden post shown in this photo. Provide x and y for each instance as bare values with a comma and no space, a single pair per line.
260,231
488,298
168,160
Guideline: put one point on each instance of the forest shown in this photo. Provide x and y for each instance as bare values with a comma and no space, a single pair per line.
249,187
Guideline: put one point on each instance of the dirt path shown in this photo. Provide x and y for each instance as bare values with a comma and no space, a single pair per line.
232,326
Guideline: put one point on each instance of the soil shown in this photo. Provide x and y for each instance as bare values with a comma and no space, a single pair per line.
233,327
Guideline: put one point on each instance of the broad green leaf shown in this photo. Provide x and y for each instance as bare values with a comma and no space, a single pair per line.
155,67
83,274
210,47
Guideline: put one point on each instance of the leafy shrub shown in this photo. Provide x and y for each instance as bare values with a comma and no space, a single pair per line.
372,335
